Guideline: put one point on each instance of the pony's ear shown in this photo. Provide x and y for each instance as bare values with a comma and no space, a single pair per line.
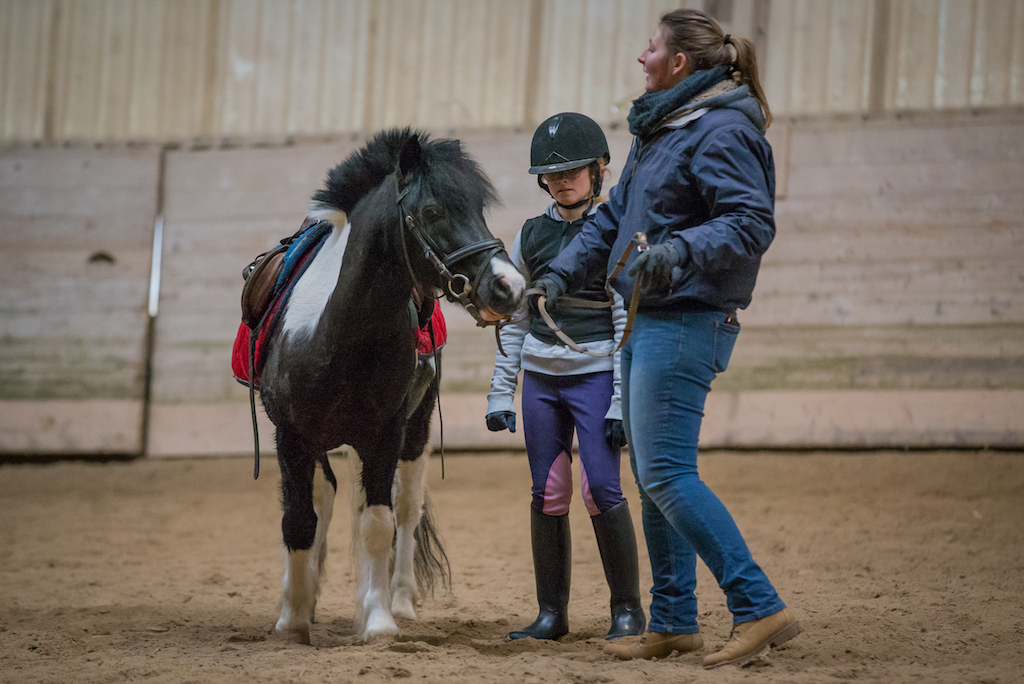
410,157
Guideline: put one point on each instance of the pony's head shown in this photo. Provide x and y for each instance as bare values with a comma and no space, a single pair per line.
438,195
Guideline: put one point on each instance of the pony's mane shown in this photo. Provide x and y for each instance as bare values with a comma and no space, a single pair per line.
364,170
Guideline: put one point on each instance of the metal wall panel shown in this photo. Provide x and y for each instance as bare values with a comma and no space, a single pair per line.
157,69
937,54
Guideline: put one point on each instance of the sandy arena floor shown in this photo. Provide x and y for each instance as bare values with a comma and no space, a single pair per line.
903,567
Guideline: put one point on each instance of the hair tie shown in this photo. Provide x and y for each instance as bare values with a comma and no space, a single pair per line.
727,37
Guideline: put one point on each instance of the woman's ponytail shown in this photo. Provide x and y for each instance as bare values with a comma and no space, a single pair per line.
700,38
746,66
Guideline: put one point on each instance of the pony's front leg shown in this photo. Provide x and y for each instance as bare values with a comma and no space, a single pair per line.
408,506
373,531
308,505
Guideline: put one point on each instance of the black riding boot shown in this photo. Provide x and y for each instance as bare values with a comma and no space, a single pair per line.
617,542
552,559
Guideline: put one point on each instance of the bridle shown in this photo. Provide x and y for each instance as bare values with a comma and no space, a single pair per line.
458,286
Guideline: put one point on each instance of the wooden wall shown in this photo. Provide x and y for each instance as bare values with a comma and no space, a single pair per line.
251,69
76,235
888,312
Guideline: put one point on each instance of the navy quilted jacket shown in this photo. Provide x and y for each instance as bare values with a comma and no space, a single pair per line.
705,181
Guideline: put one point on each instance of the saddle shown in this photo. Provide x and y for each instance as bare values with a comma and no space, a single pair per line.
269,281
269,273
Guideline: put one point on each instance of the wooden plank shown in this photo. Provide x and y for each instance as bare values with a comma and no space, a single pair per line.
222,208
907,181
55,182
70,427
810,354
897,212
923,419
815,146
867,243
807,420
225,184
76,229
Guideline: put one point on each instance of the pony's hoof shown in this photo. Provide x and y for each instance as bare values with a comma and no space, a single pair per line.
296,635
403,605
380,627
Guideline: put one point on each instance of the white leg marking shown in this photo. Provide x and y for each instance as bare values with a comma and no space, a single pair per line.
505,271
408,502
373,528
323,506
298,596
377,528
309,298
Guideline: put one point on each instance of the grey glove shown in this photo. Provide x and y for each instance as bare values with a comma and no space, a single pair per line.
655,266
614,433
552,291
501,420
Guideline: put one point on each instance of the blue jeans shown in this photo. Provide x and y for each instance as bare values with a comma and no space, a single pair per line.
667,368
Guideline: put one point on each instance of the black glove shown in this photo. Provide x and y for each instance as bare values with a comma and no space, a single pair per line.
501,420
552,291
614,433
655,266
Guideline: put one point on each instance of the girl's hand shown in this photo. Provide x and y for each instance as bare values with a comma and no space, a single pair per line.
501,420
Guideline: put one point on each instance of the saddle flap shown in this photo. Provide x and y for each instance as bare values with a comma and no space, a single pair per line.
261,285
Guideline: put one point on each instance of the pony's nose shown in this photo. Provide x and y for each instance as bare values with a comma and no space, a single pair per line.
509,276
515,283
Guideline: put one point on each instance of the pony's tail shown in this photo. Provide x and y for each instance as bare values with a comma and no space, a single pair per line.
430,561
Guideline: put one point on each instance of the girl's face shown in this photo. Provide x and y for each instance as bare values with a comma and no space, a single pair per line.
664,69
569,187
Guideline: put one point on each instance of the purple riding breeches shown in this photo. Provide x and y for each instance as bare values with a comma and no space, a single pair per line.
553,407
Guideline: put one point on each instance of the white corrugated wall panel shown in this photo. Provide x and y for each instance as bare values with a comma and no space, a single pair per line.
25,29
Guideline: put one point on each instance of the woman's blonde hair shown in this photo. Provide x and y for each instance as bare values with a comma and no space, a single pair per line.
702,40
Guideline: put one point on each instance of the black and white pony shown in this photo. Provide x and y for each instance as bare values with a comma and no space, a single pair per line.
342,366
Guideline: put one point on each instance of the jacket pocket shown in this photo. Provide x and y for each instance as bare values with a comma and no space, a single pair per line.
726,332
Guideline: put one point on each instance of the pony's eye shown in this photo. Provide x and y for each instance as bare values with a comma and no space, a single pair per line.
431,213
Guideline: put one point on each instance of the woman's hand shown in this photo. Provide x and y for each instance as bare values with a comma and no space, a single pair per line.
552,291
654,267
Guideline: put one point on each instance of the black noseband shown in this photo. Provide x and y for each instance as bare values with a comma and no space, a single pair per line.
458,285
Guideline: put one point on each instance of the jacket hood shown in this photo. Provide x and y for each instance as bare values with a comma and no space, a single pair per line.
730,95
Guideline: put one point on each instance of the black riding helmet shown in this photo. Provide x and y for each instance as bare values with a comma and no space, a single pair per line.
568,141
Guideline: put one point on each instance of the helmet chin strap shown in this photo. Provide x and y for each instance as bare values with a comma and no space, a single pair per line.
576,205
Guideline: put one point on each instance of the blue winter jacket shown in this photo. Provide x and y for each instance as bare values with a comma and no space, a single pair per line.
704,180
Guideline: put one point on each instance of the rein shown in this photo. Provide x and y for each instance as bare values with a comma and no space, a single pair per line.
640,242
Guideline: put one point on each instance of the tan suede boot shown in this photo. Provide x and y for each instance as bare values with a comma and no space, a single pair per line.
754,639
655,645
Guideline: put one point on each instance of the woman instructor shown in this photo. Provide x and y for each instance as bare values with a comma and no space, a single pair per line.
700,182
